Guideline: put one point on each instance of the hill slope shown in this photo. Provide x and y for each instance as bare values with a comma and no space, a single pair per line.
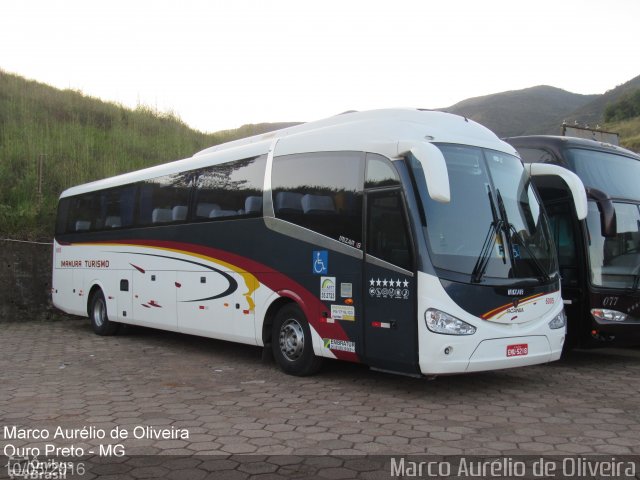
521,112
78,139
592,113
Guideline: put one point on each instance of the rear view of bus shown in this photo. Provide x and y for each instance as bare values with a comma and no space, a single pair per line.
599,257
411,241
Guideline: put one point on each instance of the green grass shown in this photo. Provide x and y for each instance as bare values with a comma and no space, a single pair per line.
79,139
629,131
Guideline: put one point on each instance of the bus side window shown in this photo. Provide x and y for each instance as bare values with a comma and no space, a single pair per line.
84,213
164,199
535,155
118,206
321,192
387,237
380,172
63,215
232,189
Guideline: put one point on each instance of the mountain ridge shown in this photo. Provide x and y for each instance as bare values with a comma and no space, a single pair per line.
541,109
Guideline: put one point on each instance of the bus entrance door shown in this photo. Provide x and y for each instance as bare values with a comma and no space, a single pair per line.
389,287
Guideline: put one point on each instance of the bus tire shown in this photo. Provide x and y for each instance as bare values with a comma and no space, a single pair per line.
292,344
98,314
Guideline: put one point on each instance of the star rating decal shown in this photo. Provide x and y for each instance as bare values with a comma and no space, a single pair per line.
391,288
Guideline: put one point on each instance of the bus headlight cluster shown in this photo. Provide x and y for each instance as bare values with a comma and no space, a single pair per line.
608,315
440,322
559,321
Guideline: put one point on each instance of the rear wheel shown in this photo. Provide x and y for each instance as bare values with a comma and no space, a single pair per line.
98,314
291,342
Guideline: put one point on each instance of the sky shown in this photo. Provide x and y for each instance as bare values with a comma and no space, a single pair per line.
221,64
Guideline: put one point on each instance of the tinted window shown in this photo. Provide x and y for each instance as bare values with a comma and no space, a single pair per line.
387,236
535,155
164,199
230,189
380,172
100,210
84,213
321,192
62,216
615,174
117,207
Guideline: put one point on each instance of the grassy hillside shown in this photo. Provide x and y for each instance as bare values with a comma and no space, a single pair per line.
78,139
521,112
593,112
629,131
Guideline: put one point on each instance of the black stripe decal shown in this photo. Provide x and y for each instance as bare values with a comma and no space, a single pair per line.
233,285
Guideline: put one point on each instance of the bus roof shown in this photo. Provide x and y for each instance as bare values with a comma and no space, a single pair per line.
557,142
376,131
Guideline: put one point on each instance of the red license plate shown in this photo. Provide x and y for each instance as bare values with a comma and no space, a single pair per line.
518,350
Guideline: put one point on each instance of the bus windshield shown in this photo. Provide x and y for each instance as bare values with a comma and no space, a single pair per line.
494,226
614,174
615,261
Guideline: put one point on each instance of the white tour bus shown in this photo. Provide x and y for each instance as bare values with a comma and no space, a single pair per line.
408,240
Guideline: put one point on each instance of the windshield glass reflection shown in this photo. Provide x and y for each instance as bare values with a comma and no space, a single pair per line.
493,219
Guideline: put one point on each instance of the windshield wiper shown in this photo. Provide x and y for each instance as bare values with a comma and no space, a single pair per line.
510,228
485,254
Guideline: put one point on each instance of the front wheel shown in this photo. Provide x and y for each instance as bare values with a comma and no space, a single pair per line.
98,314
291,342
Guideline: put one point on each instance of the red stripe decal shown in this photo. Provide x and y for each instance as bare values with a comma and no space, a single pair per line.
276,281
141,270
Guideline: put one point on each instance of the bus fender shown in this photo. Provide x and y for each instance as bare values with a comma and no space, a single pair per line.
92,286
275,301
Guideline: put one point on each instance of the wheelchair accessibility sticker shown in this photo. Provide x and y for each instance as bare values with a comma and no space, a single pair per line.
320,262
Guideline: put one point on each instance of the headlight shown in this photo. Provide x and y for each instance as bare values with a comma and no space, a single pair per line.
559,321
608,315
440,322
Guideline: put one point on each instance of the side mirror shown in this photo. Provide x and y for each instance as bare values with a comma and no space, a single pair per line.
434,166
573,182
608,221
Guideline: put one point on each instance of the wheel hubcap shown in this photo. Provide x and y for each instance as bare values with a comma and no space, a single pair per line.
291,339
99,313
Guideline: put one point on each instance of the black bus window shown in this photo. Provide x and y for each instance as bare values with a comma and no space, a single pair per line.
387,237
117,206
84,213
380,172
230,189
535,155
321,192
164,199
61,218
